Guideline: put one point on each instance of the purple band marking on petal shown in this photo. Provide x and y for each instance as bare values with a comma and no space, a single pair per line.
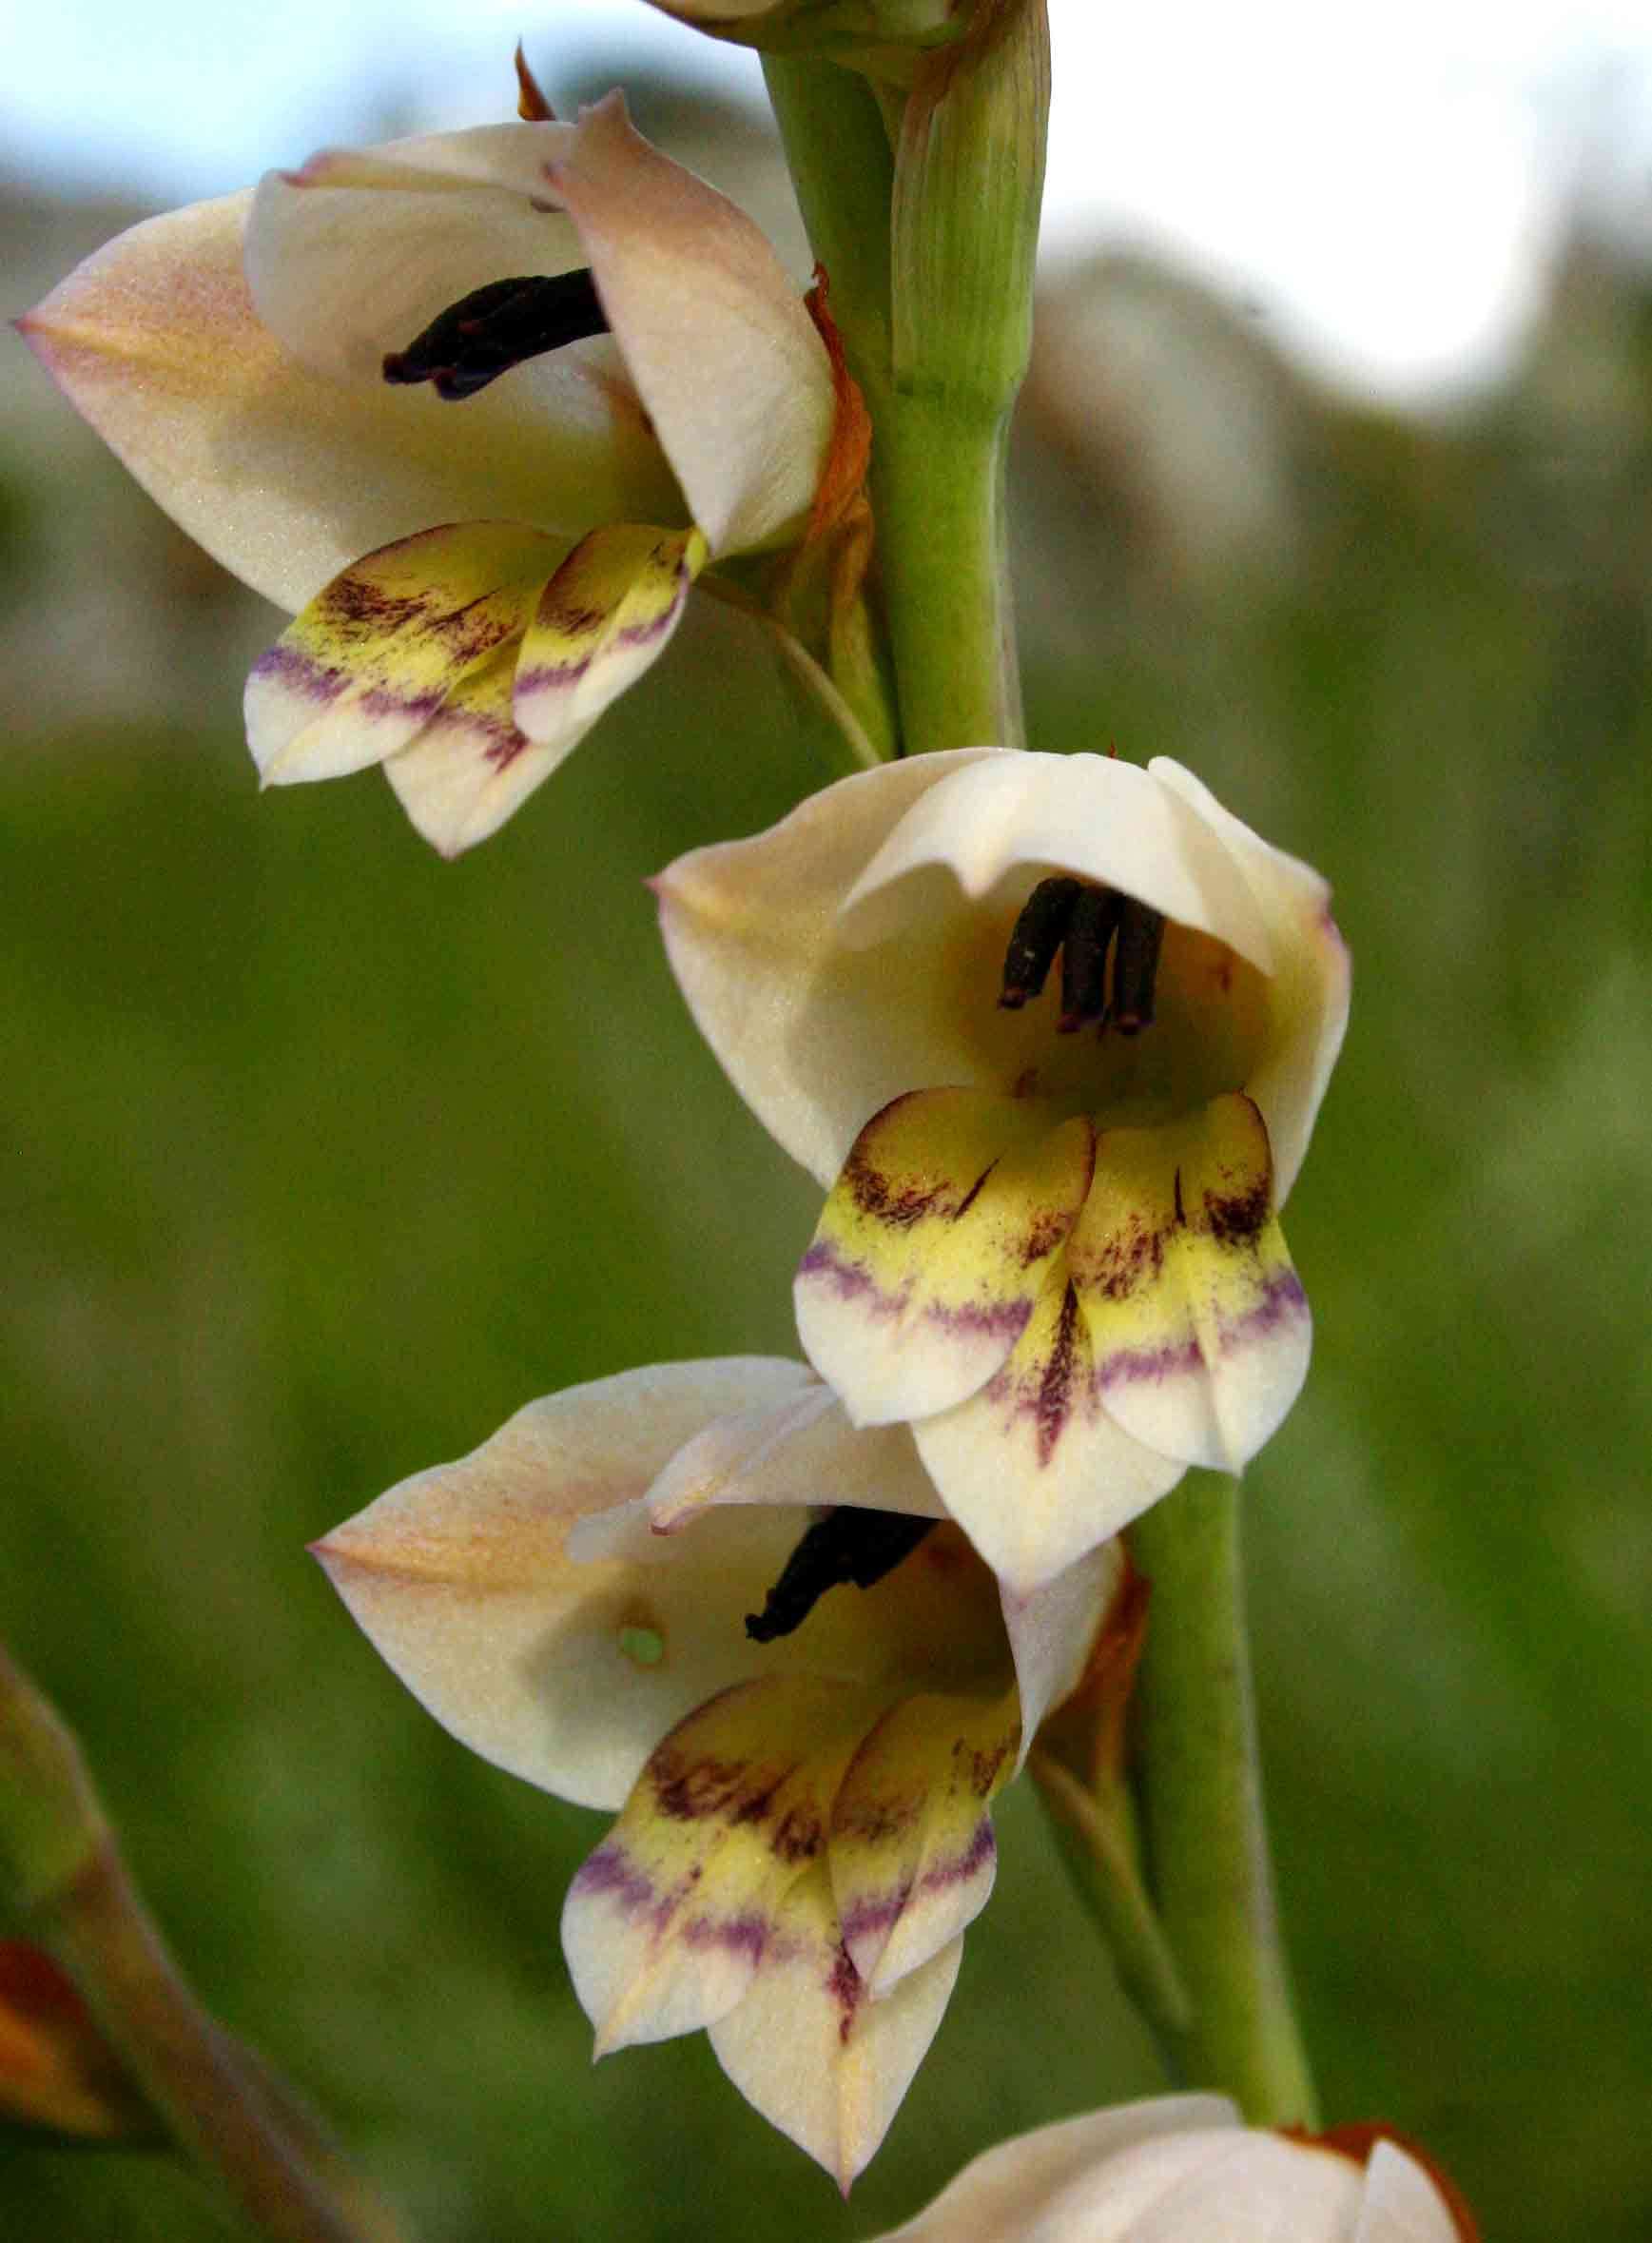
1280,1301
319,681
850,1280
610,1871
748,1935
881,1912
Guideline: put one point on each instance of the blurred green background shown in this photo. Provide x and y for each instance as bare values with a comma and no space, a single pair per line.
323,1157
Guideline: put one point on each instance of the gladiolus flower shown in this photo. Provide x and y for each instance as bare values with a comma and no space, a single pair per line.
627,1595
641,390
1052,1241
1182,2169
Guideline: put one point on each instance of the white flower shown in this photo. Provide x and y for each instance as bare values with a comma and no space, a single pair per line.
803,1830
1182,2169
477,579
1057,1254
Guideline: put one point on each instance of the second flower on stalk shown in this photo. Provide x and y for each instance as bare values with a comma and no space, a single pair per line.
1052,1240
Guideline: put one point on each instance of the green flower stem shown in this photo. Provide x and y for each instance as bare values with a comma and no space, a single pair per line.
938,503
838,148
1096,1843
1199,1784
937,477
62,1876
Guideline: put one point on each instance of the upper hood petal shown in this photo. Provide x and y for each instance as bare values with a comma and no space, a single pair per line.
462,1579
828,961
1181,2170
356,251
1309,990
287,477
753,933
714,334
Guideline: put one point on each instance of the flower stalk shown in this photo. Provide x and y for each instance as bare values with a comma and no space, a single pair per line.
63,1876
1199,1784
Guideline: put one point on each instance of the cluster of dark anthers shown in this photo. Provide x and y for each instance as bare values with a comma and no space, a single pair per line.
1085,923
494,328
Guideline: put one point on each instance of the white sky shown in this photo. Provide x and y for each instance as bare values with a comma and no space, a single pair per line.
1383,184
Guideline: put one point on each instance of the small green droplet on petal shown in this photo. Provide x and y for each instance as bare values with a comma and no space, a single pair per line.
643,1647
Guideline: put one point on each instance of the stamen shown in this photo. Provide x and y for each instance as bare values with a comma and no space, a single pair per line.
1035,939
846,1545
1136,966
494,328
1084,957
1084,922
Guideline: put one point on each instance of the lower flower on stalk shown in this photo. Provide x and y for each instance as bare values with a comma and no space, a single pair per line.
479,406
695,1594
1058,1027
1182,2169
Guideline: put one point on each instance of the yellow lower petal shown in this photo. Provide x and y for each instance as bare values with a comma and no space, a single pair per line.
912,1853
934,1247
1197,1319
602,619
378,653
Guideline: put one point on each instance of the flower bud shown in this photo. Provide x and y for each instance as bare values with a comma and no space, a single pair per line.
969,178
880,36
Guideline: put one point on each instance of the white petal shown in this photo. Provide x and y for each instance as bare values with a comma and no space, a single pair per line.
287,477
1258,2188
1402,2204
1091,815
1052,1630
461,1579
1038,1476
803,1451
1308,995
354,254
815,1037
819,2059
714,334
1004,2196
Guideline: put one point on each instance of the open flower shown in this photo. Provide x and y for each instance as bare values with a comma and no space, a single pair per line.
535,374
628,1596
1182,2169
1052,1241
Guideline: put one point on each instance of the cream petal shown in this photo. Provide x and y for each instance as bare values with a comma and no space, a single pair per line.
285,476
714,334
564,1673
1402,2204
1308,996
806,1452
1004,2195
356,252
814,1037
470,767
1033,1466
819,2058
885,980
1053,1628
1245,2187
1091,815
